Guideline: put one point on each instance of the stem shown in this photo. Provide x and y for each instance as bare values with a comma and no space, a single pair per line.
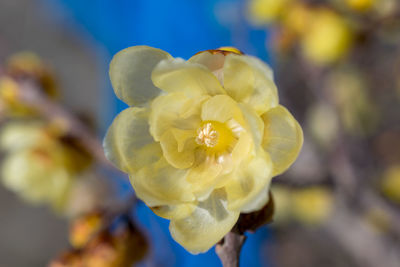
229,249
33,97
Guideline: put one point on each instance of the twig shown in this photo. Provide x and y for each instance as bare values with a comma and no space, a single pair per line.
31,96
229,249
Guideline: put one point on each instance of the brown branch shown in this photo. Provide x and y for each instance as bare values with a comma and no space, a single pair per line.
31,96
229,249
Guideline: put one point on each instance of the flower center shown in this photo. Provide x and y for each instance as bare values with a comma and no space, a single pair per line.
215,136
207,135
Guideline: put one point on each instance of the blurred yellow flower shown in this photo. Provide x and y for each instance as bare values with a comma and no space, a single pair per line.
9,102
205,141
358,112
328,37
297,18
390,183
310,205
37,166
120,247
83,228
360,5
323,123
266,11
29,65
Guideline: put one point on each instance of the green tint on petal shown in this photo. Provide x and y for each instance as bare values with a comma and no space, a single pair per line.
243,148
177,75
175,212
205,226
204,174
221,108
248,181
178,147
128,143
130,73
161,184
249,80
283,138
254,122
174,110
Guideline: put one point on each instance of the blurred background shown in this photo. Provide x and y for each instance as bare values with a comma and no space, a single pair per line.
337,68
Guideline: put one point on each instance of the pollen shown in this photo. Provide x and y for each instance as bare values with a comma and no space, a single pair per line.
215,137
207,135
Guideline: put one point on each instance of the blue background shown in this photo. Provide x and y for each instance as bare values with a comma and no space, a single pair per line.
182,28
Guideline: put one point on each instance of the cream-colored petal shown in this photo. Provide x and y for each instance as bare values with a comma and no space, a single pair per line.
17,135
283,138
254,123
174,212
161,184
174,110
208,224
204,174
130,73
258,202
243,148
221,108
177,75
178,147
36,180
248,181
128,143
249,80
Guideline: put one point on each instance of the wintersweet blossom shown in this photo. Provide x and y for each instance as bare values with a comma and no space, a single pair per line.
202,138
37,165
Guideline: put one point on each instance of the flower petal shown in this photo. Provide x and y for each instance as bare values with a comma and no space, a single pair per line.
161,184
178,147
128,143
248,181
221,108
204,175
17,135
130,73
249,80
213,61
174,110
283,138
208,224
254,122
177,75
175,212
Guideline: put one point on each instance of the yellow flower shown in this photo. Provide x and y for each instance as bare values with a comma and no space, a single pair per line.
310,205
10,105
266,11
360,5
83,228
29,65
327,39
390,184
206,138
37,166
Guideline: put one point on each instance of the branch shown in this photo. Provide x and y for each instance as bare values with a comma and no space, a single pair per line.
229,248
33,97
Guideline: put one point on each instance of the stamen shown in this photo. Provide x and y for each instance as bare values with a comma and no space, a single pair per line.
207,136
